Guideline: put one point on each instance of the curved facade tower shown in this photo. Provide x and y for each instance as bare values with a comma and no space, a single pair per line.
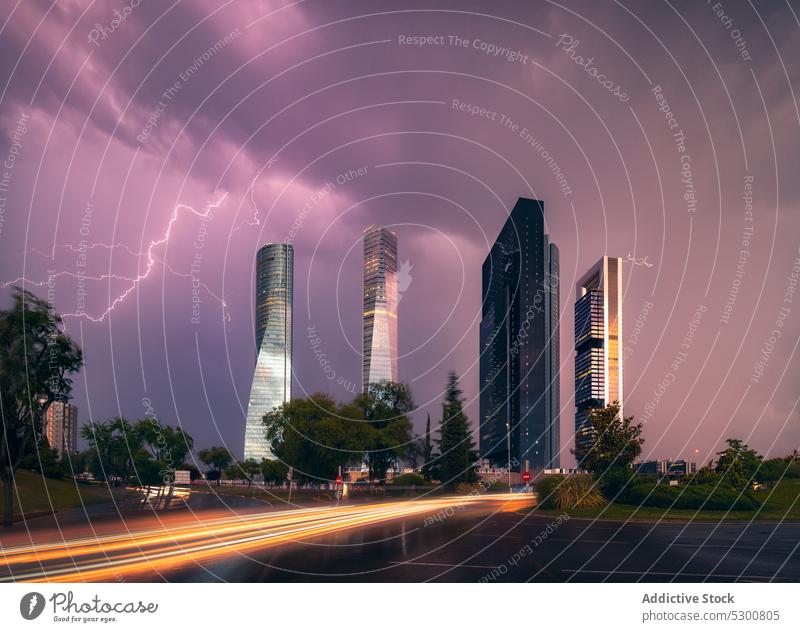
272,379
379,342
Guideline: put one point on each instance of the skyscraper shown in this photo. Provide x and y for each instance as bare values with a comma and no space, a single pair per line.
272,380
379,342
62,427
519,344
598,331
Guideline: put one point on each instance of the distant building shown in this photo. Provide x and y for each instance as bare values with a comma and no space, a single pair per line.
659,467
682,468
564,471
598,332
272,378
664,467
379,339
519,345
62,427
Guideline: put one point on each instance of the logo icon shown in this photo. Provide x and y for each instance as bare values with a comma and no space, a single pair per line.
31,605
403,278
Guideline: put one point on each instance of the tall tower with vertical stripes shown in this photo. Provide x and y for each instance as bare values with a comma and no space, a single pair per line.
598,332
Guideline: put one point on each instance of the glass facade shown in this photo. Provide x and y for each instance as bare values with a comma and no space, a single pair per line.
379,341
598,328
272,379
519,344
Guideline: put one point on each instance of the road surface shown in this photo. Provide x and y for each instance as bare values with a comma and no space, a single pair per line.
456,539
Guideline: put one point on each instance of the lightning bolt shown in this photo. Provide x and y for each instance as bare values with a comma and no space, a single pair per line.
256,221
72,248
32,604
639,262
152,259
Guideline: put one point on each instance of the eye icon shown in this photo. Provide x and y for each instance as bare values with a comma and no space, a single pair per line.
31,605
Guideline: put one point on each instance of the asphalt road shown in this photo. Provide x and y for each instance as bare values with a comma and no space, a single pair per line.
483,541
511,547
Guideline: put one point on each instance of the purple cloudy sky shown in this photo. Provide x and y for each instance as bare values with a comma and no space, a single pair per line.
111,123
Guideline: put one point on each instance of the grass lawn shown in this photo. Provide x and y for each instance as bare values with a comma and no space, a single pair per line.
33,489
780,502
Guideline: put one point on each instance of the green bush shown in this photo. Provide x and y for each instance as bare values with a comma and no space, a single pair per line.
571,492
547,491
614,480
771,471
495,486
409,479
469,489
705,496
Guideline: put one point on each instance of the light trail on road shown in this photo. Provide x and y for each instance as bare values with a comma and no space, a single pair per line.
153,550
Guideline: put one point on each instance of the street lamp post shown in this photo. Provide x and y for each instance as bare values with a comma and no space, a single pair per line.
508,441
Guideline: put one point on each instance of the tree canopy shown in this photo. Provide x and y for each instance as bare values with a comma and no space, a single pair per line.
145,452
37,360
738,463
385,407
613,442
316,435
217,458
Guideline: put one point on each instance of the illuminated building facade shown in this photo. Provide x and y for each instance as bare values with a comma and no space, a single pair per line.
519,345
598,331
62,427
272,379
379,341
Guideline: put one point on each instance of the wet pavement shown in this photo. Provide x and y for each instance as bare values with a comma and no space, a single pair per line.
517,547
480,542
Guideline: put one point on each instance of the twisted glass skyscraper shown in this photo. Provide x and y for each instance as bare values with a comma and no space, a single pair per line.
272,380
519,344
598,331
379,342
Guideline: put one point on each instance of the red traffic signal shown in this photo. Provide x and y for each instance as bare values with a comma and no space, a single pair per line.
526,476
338,480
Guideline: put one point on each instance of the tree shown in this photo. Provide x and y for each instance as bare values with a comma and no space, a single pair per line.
612,444
146,450
385,406
164,450
169,447
44,460
217,458
457,454
36,361
316,435
773,470
274,471
76,462
427,452
246,470
116,451
738,463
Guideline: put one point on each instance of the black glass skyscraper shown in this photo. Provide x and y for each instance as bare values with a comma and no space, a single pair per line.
519,344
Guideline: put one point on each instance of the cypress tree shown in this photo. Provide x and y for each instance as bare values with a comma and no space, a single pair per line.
427,452
456,446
